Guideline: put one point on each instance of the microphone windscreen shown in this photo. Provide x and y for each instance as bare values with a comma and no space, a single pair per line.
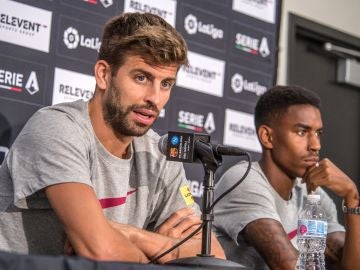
162,145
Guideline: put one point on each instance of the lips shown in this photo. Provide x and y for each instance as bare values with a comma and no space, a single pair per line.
310,161
144,116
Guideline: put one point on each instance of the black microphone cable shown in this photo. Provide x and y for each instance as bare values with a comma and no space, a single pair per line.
236,184
154,260
207,211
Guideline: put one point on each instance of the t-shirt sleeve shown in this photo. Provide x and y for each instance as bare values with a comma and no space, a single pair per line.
249,201
49,150
176,193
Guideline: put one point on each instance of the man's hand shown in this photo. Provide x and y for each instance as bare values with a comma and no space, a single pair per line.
180,224
325,173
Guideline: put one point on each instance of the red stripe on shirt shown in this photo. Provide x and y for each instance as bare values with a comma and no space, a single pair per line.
112,202
292,234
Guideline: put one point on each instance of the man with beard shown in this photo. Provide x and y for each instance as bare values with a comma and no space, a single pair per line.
257,221
87,177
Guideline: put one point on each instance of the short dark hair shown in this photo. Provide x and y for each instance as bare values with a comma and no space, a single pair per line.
142,34
275,102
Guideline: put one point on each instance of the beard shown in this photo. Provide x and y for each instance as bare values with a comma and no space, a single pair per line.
116,115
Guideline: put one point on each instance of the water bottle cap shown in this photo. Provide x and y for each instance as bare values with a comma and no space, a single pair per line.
313,197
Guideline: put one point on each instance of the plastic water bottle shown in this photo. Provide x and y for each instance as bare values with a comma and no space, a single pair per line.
311,235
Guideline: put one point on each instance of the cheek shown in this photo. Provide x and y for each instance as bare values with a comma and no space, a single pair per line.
165,98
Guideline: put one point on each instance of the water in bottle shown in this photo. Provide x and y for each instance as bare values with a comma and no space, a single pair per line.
311,235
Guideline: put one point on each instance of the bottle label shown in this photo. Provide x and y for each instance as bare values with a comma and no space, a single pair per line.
312,228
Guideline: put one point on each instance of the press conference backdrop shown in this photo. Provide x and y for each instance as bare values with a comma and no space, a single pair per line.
48,48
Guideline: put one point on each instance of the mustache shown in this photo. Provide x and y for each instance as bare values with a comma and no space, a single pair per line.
148,106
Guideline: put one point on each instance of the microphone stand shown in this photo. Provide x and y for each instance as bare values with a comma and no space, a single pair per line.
210,161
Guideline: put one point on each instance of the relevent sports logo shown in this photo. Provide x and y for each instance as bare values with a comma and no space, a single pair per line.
25,25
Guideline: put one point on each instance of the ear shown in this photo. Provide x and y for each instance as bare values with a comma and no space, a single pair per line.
265,136
102,74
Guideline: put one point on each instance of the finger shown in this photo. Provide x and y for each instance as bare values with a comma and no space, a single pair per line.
68,249
191,230
311,170
311,187
174,219
185,225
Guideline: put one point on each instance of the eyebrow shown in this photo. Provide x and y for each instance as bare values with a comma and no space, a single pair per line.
300,125
149,75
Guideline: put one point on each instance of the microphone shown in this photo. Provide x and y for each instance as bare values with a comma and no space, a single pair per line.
187,147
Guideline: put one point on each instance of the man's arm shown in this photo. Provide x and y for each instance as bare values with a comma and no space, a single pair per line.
179,225
86,227
271,241
334,249
327,174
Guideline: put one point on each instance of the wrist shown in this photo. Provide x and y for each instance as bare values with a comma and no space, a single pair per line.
352,208
352,198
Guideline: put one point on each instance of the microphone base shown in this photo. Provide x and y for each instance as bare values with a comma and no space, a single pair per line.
206,262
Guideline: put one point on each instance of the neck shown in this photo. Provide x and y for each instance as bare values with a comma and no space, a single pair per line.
117,145
278,179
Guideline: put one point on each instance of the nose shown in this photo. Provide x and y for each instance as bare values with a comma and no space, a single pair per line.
153,95
314,142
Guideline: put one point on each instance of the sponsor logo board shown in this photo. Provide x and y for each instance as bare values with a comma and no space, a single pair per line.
252,43
70,86
197,118
102,7
203,74
164,8
78,39
239,131
204,28
161,122
22,80
246,85
260,9
25,25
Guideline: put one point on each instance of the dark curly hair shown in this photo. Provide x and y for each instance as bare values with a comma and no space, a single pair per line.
141,34
275,102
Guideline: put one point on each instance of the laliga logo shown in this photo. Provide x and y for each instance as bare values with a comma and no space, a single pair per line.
71,38
191,24
237,83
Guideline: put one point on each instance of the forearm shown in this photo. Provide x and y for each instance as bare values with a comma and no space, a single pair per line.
351,251
153,244
268,237
110,246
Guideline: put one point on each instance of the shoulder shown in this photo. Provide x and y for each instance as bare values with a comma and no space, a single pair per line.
57,126
59,119
233,174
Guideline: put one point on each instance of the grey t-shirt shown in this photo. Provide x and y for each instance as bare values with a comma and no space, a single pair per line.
58,145
253,199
